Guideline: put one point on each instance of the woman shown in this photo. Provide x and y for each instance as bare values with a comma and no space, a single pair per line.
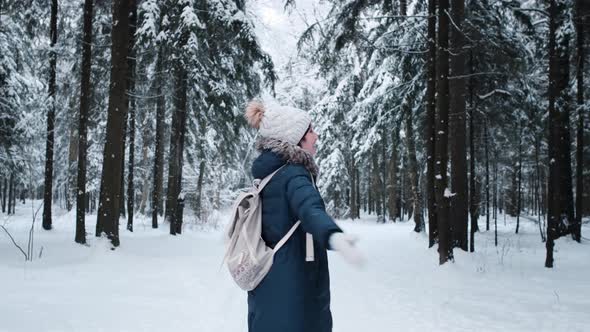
295,294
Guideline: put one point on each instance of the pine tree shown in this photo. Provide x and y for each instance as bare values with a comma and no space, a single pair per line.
457,128
132,110
108,211
560,197
430,132
582,12
442,192
47,198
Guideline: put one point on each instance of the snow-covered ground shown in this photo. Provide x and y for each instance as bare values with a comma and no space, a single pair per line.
156,282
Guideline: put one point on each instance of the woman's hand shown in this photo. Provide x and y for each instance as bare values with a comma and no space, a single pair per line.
344,244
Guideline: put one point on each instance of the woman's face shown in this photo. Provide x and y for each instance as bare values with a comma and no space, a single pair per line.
309,140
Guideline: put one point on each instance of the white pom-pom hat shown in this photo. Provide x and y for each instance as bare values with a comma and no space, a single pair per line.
288,124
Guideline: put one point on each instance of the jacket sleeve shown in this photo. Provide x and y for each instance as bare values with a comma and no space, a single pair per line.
307,205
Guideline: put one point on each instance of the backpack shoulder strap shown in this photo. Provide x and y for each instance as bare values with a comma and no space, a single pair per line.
265,181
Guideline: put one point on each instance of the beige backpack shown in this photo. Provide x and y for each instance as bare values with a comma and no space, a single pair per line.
248,258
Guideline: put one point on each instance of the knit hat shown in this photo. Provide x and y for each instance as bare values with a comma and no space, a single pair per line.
288,124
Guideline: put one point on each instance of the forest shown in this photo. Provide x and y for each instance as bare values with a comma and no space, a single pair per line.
446,113
453,154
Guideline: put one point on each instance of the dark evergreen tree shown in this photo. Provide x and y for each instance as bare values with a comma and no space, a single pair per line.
132,110
442,192
48,196
430,132
85,92
109,209
582,22
457,127
560,215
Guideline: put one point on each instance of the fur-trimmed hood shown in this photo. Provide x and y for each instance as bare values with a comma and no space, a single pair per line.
290,153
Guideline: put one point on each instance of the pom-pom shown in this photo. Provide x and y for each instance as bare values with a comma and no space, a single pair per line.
254,113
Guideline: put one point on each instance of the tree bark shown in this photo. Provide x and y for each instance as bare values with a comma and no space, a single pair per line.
472,206
383,176
487,143
495,203
369,193
445,248
145,187
131,105
10,194
85,91
519,190
560,196
353,187
413,172
376,184
199,207
72,158
403,5
459,206
392,181
430,124
157,193
4,189
582,10
176,150
109,206
48,195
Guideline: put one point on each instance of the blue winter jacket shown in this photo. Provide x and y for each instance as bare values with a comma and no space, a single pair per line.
295,294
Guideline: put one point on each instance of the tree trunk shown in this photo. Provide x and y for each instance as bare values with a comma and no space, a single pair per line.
131,106
459,206
352,200
48,196
109,209
519,190
392,180
430,125
358,192
145,187
199,209
487,143
10,194
383,176
72,158
495,203
472,206
369,191
176,147
157,191
413,172
445,248
4,189
560,196
582,10
403,5
375,186
85,94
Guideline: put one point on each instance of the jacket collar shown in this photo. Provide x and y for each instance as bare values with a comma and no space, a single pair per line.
290,153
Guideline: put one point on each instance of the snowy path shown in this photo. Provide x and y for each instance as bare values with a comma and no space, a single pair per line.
155,282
